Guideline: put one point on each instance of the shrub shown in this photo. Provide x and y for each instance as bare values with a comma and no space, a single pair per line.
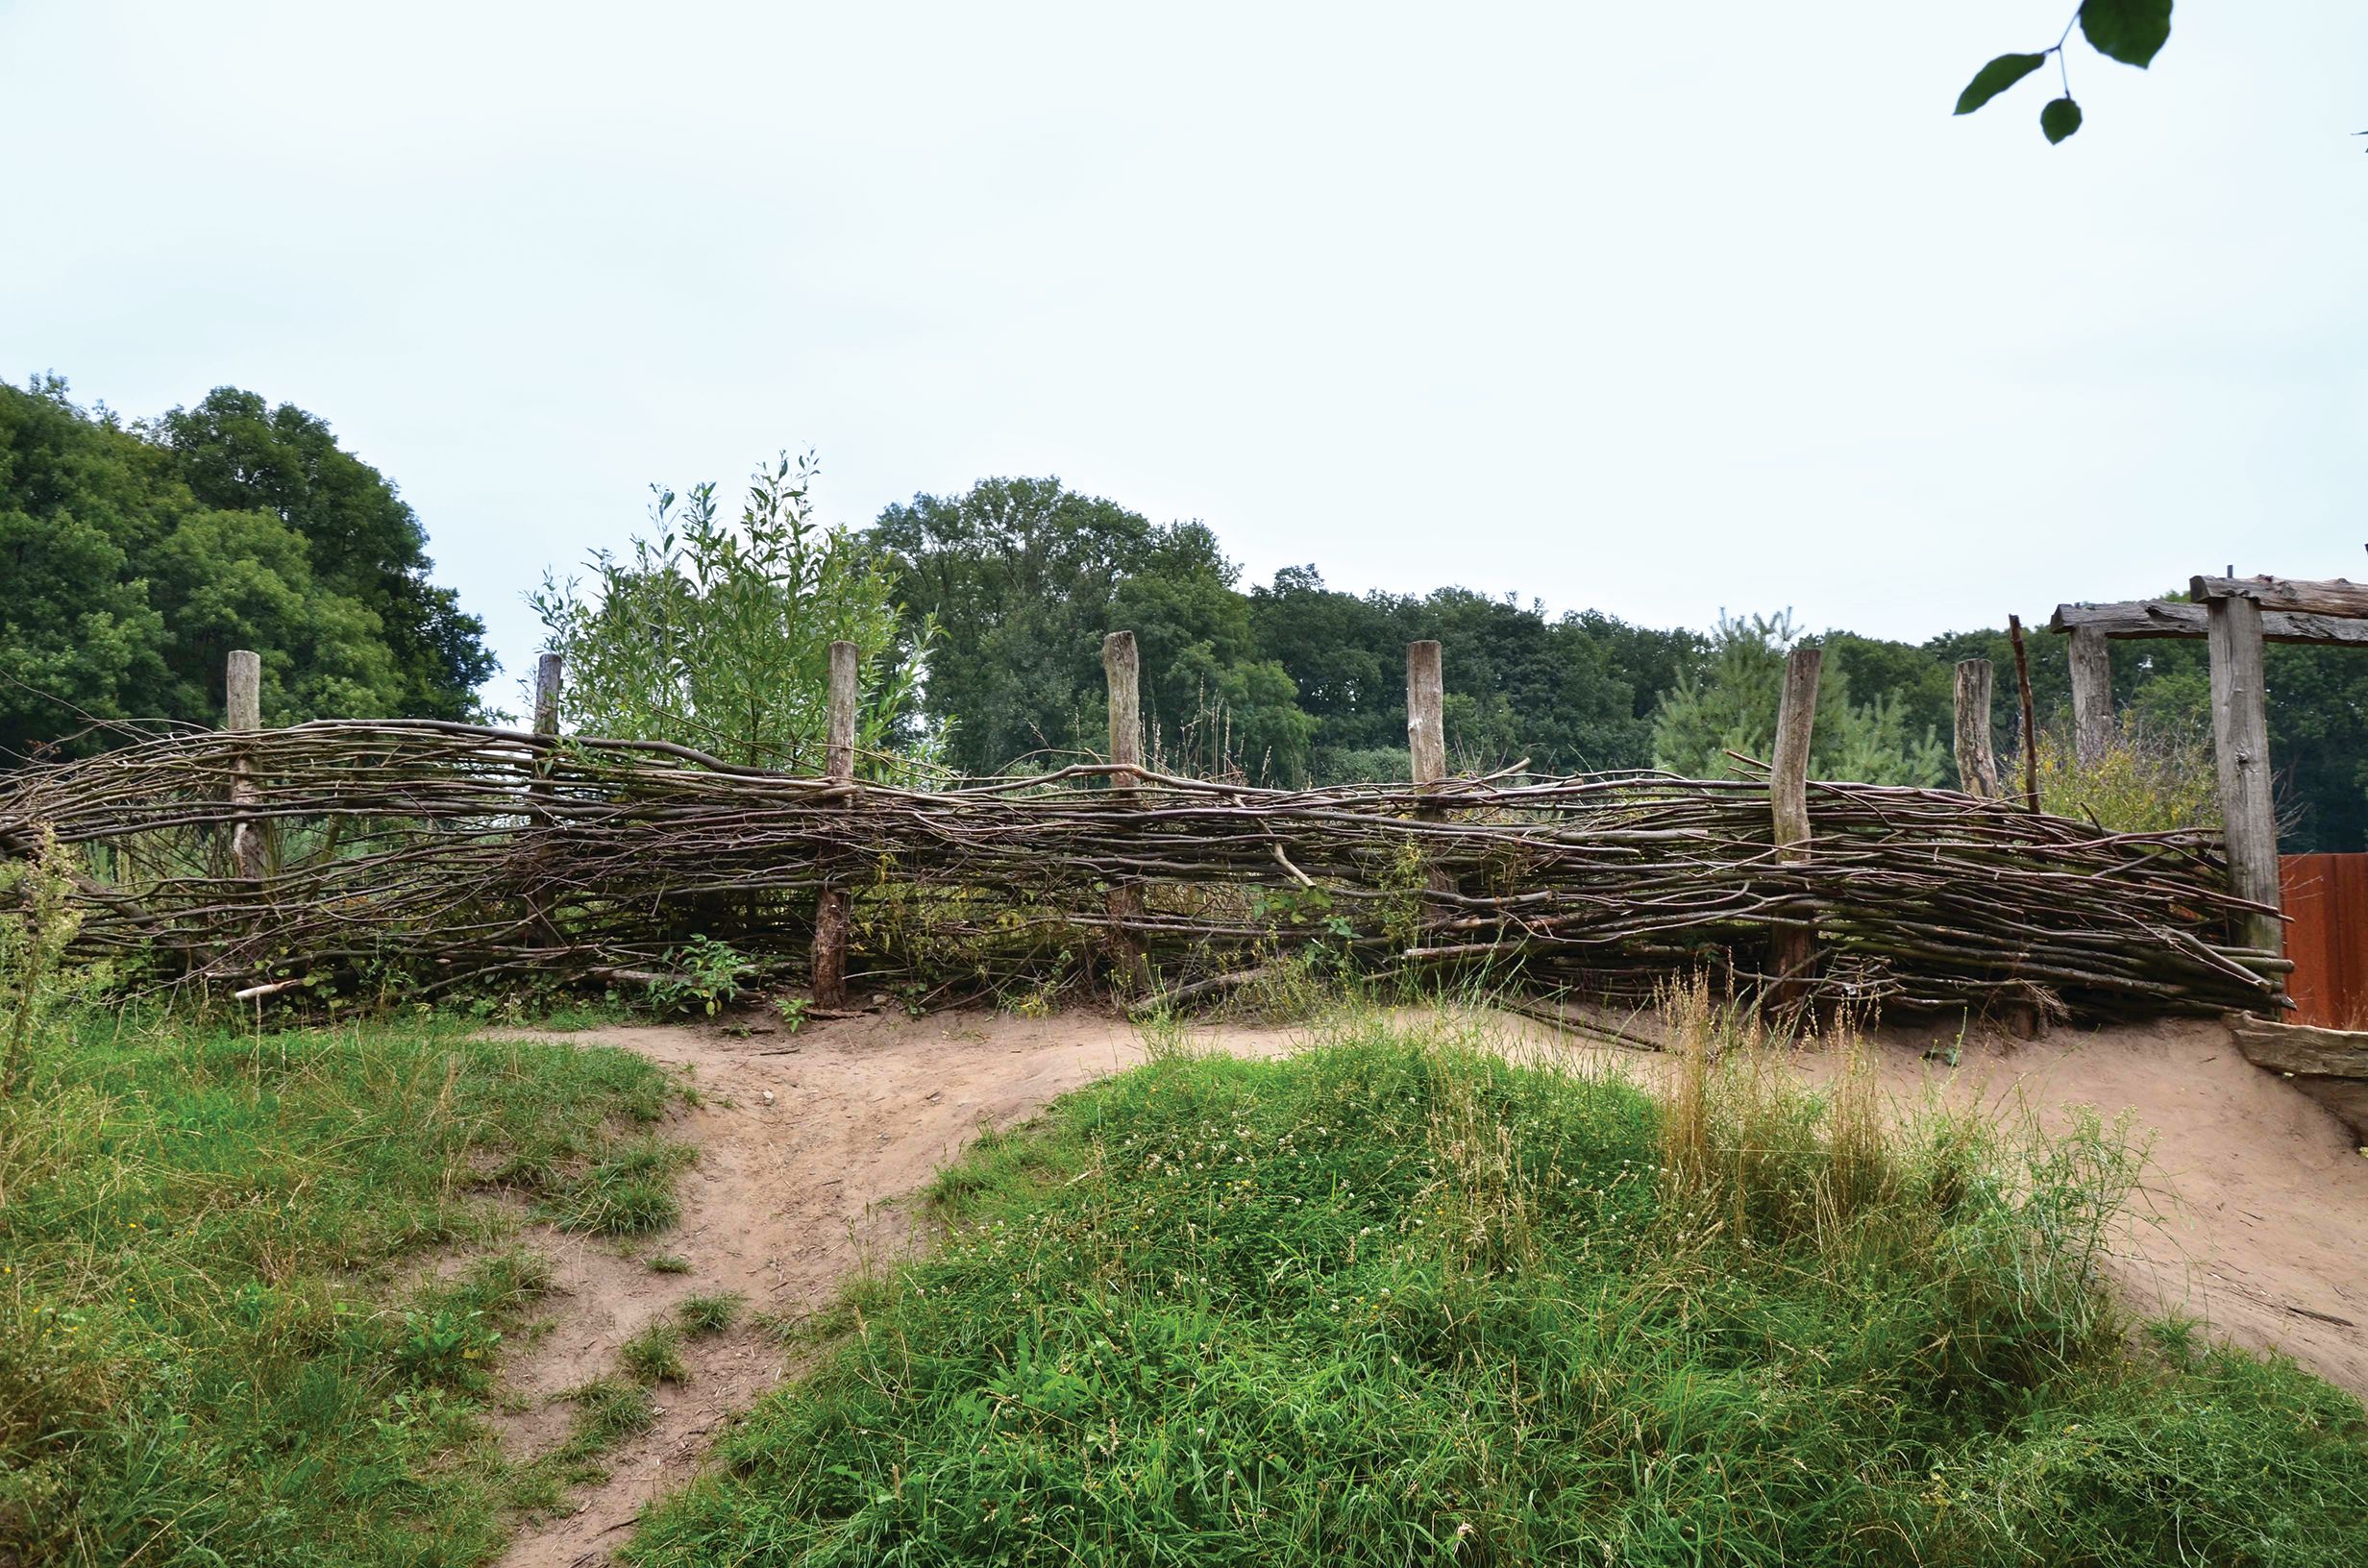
2151,778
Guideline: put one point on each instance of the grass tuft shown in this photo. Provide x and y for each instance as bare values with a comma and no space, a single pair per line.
709,1314
654,1355
608,1410
627,1190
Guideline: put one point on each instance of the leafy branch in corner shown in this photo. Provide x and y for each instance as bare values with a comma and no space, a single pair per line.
2131,31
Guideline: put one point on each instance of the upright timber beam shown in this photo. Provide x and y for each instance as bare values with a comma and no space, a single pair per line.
2092,696
243,690
1426,748
1793,949
1977,762
1122,672
547,671
1426,726
2240,738
830,911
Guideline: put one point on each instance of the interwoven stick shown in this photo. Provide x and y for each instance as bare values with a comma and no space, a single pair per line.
434,854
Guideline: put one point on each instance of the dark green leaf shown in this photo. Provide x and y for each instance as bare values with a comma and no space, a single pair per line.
1995,78
2060,119
2130,31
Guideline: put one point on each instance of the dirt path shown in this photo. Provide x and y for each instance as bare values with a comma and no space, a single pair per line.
804,1142
2260,1197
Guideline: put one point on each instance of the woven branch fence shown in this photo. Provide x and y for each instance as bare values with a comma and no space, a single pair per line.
430,855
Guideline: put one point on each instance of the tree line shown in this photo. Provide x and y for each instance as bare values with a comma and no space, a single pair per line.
139,554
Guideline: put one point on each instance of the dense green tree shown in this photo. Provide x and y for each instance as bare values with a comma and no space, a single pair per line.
1572,694
362,541
127,588
1023,576
1731,706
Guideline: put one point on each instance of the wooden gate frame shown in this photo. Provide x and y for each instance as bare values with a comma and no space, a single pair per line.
2237,616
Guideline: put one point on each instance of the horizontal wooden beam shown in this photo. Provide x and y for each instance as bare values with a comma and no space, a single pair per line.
2141,619
2288,1048
2335,598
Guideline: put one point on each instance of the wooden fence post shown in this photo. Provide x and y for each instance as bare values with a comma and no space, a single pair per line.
1122,674
547,694
2092,696
2240,742
2030,723
242,684
830,912
1793,949
1426,728
1426,747
1977,764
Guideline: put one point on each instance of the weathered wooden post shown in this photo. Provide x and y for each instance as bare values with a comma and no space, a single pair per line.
547,669
2030,723
2092,696
547,694
243,692
1426,747
2240,741
1122,674
1426,727
830,912
1794,950
1977,764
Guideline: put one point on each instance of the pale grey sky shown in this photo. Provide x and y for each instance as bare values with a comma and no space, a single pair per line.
1655,310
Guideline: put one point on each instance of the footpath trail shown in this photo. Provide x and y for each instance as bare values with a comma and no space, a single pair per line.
2255,1215
805,1141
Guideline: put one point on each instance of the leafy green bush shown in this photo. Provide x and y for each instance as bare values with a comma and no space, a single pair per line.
2151,778
717,636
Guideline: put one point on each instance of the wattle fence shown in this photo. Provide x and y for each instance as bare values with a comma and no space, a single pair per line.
343,857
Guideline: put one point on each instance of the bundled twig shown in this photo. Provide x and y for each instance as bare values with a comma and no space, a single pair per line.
431,853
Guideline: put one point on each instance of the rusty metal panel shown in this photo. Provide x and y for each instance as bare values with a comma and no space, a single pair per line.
2326,898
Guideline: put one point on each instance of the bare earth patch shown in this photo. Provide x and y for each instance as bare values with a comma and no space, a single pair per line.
2258,1197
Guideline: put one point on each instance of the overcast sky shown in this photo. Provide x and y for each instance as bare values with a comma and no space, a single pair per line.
1648,308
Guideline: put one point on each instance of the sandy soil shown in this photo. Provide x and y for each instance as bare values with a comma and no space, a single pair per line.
2258,1204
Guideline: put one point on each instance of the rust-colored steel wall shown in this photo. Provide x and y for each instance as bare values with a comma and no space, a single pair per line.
2327,896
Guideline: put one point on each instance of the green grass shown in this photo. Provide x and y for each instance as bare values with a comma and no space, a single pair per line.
212,1347
1394,1302
710,1313
608,1411
654,1355
627,1190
